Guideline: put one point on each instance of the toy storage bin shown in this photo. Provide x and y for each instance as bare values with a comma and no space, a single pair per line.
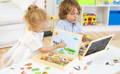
114,17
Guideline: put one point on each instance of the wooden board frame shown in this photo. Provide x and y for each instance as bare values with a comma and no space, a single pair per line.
109,36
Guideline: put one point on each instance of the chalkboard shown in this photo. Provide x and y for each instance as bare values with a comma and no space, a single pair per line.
47,33
98,45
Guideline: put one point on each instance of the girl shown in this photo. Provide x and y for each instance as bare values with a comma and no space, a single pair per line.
69,12
31,42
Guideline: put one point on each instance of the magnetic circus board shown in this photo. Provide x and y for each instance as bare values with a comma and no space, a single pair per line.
71,40
62,57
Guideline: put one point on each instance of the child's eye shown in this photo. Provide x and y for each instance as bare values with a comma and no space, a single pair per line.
74,13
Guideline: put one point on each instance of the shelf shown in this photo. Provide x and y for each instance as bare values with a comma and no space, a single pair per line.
100,5
100,28
101,13
101,10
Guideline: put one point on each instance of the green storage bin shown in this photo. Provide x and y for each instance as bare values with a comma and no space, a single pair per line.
86,2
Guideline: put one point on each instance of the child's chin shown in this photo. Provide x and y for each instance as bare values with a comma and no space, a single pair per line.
73,22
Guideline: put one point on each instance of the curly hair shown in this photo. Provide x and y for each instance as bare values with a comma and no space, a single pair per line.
66,6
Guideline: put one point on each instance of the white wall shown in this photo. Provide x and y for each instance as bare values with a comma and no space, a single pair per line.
40,3
51,7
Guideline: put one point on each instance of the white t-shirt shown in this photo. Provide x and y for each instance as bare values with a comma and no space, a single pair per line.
26,47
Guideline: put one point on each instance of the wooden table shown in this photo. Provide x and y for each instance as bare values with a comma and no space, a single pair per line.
98,65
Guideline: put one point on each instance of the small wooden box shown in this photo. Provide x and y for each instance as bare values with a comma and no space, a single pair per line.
55,60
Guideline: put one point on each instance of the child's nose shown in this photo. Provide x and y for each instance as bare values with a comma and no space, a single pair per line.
76,15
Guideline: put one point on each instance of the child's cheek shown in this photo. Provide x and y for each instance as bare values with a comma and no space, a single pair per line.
73,19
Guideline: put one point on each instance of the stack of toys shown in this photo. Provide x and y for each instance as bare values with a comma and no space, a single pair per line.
111,2
107,2
89,19
116,2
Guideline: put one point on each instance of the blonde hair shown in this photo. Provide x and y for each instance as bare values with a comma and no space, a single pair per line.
35,16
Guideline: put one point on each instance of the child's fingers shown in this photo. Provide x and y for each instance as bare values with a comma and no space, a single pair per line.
62,44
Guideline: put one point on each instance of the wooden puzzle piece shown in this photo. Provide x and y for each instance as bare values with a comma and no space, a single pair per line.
77,68
85,67
28,64
35,69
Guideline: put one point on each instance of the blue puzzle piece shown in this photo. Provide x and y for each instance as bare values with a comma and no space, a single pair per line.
75,38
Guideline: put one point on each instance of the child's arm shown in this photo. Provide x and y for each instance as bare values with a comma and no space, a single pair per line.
52,48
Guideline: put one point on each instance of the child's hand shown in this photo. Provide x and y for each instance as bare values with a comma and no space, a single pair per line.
61,45
86,38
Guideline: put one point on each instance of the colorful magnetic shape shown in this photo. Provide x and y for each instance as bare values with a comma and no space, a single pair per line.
35,69
77,68
116,61
37,73
22,68
71,73
23,72
47,68
107,63
85,68
28,64
28,67
70,50
45,73
75,38
61,51
89,63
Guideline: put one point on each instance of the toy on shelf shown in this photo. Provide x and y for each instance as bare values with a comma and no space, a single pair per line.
107,2
89,19
58,2
116,2
99,2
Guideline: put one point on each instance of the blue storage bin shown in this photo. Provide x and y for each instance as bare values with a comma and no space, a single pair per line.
114,17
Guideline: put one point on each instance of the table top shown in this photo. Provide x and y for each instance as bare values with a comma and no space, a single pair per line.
103,62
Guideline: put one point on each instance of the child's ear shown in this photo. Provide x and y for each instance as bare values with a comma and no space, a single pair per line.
49,18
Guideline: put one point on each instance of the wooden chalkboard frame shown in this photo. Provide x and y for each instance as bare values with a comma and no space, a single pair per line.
88,48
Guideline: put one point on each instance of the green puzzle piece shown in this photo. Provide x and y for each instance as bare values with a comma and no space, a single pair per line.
35,69
37,73
47,68
69,50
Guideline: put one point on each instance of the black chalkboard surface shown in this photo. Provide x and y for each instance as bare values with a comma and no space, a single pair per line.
48,33
98,45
